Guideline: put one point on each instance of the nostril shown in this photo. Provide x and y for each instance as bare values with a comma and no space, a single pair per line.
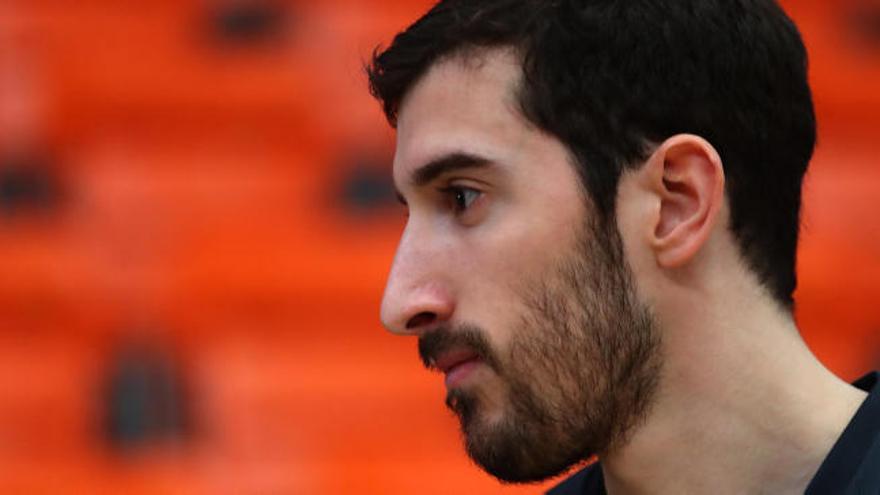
421,319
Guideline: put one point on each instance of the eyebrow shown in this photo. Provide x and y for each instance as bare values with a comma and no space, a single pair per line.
444,164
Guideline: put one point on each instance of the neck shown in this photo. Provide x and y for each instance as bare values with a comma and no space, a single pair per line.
743,407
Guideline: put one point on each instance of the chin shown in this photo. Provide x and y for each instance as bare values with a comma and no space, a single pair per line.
502,445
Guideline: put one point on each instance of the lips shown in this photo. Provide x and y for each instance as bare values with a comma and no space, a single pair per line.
458,352
457,365
450,360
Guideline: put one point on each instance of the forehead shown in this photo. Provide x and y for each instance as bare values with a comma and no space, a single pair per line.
463,103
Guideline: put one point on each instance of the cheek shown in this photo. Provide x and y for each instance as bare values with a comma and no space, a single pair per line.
527,244
498,268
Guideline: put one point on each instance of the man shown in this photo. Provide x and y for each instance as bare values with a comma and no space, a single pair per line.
603,203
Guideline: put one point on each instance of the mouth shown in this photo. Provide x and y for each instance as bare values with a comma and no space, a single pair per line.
457,365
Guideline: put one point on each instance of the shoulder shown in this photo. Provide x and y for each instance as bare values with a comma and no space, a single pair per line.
853,465
867,478
587,481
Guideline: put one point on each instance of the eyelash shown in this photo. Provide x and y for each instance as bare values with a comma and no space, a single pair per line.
458,197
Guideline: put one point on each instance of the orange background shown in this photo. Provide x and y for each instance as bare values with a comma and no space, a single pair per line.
202,211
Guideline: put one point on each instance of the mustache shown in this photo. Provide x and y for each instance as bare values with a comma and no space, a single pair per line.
443,339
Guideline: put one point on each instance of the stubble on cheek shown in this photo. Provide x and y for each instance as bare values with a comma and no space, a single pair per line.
587,348
576,370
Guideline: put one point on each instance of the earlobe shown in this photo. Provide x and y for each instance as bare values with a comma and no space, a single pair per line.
688,177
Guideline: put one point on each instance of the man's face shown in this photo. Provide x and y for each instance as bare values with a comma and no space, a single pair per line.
515,290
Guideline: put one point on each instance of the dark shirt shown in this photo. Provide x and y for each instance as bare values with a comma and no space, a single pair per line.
851,468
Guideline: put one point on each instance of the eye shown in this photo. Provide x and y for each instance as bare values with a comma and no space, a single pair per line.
462,197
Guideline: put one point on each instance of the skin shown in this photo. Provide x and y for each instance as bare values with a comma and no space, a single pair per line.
741,401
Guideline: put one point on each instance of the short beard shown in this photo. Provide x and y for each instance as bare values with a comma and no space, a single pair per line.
581,371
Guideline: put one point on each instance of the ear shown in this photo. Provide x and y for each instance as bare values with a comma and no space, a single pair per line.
686,176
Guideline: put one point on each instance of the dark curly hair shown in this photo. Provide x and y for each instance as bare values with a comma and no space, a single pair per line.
610,77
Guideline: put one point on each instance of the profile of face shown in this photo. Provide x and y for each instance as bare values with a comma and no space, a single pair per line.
516,291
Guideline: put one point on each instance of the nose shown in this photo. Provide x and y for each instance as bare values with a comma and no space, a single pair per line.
418,294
